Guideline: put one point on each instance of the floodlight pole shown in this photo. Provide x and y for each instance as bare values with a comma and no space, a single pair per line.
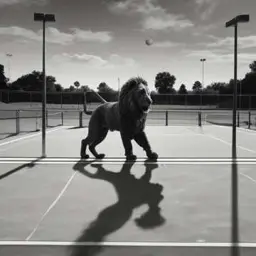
234,94
235,223
44,98
9,55
44,18
203,60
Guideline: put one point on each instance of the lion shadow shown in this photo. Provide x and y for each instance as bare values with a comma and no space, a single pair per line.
132,193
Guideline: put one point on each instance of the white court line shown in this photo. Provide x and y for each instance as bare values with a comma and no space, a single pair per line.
230,144
52,205
127,244
121,159
30,136
119,162
240,129
248,177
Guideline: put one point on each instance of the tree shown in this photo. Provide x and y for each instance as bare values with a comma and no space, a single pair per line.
103,87
253,66
76,84
164,82
182,89
85,88
197,87
71,88
249,83
34,82
3,79
58,88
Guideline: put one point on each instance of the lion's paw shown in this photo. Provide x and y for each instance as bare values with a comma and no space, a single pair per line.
85,156
100,156
152,155
131,157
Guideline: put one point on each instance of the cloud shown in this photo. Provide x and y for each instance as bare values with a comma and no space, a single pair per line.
153,15
165,44
244,42
91,60
206,8
26,2
53,35
117,60
167,21
94,61
220,56
88,35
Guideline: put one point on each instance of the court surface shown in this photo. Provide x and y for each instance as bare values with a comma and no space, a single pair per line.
180,205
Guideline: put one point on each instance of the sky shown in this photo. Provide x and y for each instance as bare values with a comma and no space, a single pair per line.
94,41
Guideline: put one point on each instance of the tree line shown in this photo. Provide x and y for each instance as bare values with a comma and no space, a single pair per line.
164,84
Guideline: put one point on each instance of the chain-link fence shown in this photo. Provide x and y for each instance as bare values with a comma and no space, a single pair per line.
76,99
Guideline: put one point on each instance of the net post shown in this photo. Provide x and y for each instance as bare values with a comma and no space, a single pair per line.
46,118
199,118
62,118
36,122
249,120
81,119
166,118
17,121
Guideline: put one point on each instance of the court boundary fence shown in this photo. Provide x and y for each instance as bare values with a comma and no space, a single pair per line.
244,101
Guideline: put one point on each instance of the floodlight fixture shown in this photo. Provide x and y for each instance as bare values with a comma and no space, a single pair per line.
49,17
44,17
238,19
38,17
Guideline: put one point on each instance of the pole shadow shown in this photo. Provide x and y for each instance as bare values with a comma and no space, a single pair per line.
132,193
13,171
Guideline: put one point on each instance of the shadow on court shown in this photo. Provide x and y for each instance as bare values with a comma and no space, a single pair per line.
132,193
13,171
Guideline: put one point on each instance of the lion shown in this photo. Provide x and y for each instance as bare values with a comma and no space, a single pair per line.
128,116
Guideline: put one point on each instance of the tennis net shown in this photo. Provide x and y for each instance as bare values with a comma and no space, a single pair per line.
24,121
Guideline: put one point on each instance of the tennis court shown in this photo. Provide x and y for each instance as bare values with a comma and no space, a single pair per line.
180,205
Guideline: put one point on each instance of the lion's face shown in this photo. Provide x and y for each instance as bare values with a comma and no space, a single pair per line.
142,98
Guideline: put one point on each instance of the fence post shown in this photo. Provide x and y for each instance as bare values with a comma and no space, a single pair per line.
199,119
166,118
238,118
17,121
249,121
81,119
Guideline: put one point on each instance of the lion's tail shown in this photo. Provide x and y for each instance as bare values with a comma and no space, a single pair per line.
86,111
89,112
